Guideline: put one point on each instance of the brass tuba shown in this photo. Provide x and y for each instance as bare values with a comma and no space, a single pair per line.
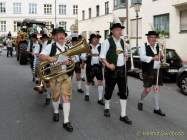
48,71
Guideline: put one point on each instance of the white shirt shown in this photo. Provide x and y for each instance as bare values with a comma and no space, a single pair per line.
105,47
83,56
77,58
36,48
44,44
9,42
47,50
148,59
94,50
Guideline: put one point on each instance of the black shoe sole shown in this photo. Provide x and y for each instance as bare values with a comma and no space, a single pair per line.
162,115
101,103
129,123
67,129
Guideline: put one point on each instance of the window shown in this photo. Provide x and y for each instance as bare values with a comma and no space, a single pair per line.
90,13
171,54
75,9
63,24
119,4
134,29
17,8
62,9
15,26
2,7
183,21
106,7
47,9
48,24
32,8
83,15
115,4
2,26
97,10
106,34
161,23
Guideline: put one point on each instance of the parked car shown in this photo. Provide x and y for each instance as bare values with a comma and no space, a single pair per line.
182,79
174,60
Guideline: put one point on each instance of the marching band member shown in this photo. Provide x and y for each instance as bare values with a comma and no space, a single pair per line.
82,61
44,42
75,40
94,67
60,86
149,55
35,50
112,56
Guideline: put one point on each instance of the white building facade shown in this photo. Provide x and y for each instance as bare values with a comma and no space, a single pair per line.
166,16
12,11
96,15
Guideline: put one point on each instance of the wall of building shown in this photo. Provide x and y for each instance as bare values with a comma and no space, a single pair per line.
176,40
10,17
149,9
100,23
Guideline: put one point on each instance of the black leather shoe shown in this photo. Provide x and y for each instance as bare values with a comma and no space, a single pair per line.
107,113
55,117
126,120
83,79
47,101
101,102
86,98
159,112
80,91
140,106
68,127
60,107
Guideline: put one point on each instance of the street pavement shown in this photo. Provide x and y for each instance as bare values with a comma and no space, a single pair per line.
24,116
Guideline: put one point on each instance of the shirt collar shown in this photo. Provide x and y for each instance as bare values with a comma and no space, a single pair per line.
59,45
151,46
96,45
116,40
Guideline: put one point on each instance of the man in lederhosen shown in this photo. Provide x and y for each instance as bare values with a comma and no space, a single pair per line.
114,59
94,67
80,37
35,50
60,86
74,41
150,55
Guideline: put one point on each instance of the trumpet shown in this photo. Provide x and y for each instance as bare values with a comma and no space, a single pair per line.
48,71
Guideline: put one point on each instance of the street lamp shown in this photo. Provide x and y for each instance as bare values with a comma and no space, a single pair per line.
136,4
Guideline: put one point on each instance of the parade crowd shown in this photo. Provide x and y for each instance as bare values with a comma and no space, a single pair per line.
104,61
